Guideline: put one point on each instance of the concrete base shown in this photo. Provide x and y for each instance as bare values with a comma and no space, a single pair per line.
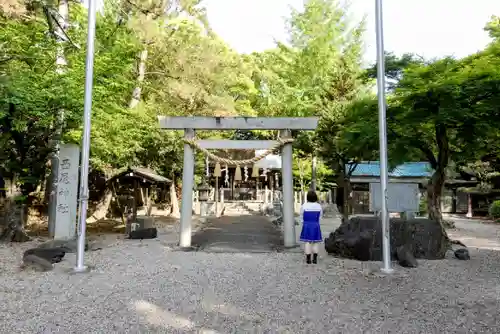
188,249
297,246
84,270
387,271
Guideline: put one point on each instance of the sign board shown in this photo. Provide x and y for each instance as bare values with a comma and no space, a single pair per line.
67,192
401,197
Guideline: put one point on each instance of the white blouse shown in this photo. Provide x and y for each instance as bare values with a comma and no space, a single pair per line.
311,207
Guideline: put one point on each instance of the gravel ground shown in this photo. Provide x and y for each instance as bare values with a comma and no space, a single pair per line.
148,287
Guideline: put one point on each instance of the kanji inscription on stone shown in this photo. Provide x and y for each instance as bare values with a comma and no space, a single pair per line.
67,192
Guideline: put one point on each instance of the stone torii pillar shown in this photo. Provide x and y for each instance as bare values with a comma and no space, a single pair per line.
287,184
187,192
190,124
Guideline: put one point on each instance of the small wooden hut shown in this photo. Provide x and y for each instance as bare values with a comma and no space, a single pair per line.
135,187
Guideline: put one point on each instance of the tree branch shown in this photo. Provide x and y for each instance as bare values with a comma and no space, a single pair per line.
419,145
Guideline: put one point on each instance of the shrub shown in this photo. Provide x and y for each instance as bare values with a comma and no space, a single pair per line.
494,210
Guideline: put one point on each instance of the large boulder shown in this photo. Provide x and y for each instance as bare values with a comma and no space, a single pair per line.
69,245
54,255
462,254
361,238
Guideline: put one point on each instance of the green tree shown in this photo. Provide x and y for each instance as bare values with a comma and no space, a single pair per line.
318,69
493,27
31,93
442,111
152,58
343,143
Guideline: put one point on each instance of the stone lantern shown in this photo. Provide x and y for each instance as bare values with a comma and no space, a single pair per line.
203,196
204,191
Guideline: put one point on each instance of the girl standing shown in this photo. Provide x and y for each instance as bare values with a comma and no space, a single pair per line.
311,231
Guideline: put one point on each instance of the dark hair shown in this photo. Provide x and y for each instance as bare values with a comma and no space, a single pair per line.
311,196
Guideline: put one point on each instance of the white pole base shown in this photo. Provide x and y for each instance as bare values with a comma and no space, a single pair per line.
387,270
80,270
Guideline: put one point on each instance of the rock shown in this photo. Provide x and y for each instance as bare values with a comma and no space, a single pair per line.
405,257
277,221
424,237
462,254
36,263
146,233
351,244
69,245
53,255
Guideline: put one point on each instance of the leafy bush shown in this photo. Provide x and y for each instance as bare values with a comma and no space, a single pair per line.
494,210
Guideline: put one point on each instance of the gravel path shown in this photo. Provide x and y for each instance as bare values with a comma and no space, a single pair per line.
240,234
147,287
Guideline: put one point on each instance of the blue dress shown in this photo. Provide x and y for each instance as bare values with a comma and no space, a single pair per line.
311,230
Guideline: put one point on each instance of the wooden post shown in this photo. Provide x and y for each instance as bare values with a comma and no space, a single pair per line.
149,196
469,206
231,182
257,189
271,185
134,202
454,201
216,195
221,201
187,192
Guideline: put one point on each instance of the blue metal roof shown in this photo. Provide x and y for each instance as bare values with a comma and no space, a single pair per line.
407,169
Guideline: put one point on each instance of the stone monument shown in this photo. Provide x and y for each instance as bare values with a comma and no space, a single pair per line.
67,192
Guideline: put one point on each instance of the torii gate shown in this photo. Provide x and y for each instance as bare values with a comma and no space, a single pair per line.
190,124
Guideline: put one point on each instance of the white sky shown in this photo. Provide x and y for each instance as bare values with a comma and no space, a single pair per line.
430,28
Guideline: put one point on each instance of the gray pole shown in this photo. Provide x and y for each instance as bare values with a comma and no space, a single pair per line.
84,169
386,243
187,192
287,186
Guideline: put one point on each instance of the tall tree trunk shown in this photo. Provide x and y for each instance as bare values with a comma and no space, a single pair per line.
15,214
301,181
174,201
313,173
345,185
437,181
434,194
61,64
141,71
102,208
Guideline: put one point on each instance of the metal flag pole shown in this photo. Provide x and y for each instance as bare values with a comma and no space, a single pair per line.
386,243
84,169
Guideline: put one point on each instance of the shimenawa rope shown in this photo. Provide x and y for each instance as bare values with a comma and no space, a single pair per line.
278,145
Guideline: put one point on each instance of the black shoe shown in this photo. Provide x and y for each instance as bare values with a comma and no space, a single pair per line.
315,258
308,258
